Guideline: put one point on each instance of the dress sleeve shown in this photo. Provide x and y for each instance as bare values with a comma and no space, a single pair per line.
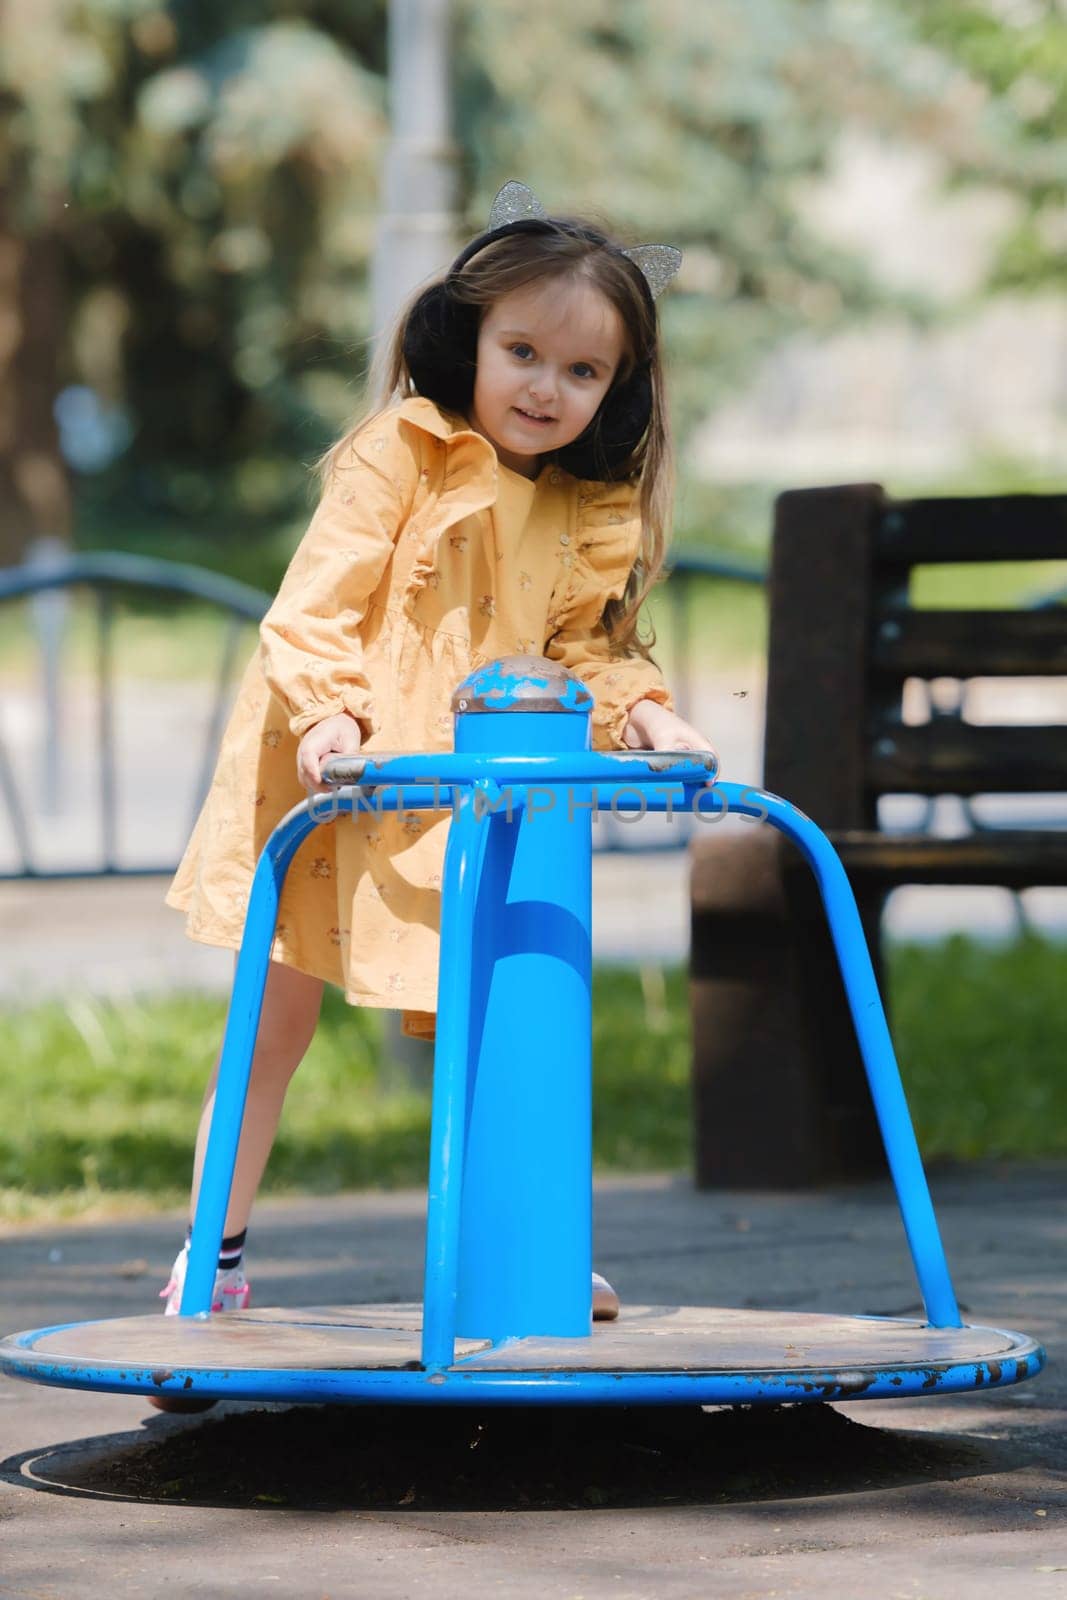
312,653
608,528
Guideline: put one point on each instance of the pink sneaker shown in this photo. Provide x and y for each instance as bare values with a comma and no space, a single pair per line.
232,1289
232,1293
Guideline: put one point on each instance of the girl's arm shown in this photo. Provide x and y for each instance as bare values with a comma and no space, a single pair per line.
312,654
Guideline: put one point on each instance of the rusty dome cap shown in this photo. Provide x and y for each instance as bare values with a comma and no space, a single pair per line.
522,683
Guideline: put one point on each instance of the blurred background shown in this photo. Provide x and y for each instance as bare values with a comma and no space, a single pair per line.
207,215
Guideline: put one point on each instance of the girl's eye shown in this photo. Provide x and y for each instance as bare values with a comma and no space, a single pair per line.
516,350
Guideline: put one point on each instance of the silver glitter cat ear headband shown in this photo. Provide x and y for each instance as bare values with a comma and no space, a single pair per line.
658,262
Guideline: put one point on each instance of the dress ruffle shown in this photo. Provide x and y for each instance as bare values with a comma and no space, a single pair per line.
469,485
608,537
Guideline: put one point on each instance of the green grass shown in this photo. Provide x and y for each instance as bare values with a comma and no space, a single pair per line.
99,1101
980,1032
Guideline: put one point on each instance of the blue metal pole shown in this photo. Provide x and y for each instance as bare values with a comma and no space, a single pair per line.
525,1245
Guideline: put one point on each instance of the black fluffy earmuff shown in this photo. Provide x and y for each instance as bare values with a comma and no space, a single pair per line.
440,348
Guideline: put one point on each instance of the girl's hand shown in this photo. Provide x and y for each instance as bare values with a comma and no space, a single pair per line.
652,727
340,735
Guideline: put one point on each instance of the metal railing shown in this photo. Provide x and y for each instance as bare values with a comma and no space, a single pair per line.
46,582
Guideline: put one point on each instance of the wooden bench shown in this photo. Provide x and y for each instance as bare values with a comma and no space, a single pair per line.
779,1091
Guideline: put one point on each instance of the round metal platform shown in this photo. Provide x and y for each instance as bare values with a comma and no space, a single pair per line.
658,1355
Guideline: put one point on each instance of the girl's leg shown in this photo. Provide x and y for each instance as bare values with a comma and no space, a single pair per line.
291,1004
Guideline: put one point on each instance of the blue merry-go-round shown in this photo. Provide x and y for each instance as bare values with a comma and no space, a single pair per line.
506,1311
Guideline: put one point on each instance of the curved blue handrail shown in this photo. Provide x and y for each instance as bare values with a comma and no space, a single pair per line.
405,776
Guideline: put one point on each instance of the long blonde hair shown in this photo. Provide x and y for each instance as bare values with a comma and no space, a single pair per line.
508,264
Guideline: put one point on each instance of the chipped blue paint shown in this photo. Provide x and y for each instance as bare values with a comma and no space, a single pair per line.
505,689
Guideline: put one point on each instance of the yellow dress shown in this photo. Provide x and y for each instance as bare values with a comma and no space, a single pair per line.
425,558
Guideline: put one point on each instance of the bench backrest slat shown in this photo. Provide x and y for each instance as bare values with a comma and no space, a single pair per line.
971,644
1013,527
950,757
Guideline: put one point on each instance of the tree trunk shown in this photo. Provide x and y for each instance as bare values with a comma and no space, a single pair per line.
35,499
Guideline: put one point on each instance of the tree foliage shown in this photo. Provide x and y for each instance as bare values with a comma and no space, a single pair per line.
693,124
1015,52
210,175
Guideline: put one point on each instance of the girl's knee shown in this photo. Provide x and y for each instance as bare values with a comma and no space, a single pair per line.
292,1001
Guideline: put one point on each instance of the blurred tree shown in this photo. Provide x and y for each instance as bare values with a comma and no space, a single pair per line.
1016,52
693,123
188,199
34,489
208,177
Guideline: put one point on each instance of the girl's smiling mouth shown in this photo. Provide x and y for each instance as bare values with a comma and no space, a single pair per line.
528,416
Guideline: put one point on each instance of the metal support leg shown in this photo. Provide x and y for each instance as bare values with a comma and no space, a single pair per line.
235,1062
872,1031
242,1021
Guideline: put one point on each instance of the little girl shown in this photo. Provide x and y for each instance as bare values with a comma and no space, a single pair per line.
510,497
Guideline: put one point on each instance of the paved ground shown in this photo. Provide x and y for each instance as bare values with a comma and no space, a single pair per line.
937,1499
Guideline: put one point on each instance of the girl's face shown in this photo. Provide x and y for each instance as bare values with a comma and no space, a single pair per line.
549,349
